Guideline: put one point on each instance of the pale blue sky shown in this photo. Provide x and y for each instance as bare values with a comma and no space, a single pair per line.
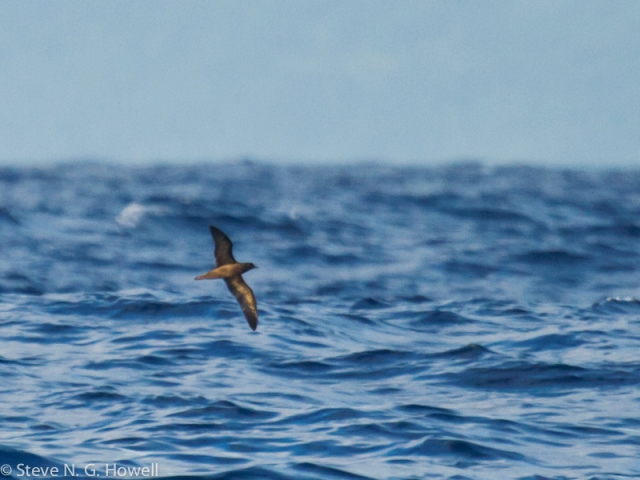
400,81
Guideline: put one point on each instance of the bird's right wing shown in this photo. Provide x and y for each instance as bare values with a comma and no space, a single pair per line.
245,298
223,247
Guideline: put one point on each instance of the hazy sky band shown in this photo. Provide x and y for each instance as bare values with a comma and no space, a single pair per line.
407,82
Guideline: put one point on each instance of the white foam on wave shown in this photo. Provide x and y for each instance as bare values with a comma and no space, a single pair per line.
132,214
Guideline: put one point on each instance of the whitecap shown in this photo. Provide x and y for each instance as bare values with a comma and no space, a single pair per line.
131,215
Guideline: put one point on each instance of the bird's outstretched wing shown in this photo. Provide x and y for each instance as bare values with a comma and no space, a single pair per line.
245,298
223,247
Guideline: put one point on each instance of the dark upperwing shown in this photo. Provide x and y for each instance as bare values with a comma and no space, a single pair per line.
245,297
223,247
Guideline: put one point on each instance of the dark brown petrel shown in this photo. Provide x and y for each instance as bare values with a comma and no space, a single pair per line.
232,271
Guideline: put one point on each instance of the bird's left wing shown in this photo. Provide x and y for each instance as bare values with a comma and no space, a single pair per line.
223,247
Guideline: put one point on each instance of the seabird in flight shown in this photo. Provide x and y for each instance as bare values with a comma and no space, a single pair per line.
231,271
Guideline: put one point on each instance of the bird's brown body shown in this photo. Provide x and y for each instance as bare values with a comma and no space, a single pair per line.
226,271
231,271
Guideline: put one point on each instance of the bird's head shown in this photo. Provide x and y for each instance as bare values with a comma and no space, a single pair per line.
248,266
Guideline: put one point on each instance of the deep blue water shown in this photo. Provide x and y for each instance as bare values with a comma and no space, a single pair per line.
458,322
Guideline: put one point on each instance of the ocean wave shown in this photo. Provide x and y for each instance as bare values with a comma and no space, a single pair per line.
450,322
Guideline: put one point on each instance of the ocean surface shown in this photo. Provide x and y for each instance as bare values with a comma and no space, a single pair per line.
459,322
